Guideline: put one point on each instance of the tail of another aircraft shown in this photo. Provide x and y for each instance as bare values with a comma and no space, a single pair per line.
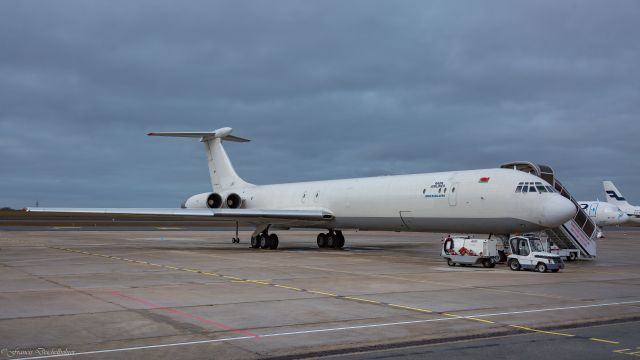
223,176
614,196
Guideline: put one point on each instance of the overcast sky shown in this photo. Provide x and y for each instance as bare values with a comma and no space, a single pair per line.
325,90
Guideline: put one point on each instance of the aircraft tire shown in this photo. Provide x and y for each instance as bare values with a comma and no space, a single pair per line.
273,241
340,244
255,242
332,241
322,240
264,241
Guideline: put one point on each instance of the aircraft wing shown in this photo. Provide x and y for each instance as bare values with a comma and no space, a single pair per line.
273,216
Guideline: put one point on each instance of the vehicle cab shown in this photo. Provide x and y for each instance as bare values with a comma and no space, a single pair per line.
529,252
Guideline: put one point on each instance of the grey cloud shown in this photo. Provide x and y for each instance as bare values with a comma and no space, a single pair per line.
326,89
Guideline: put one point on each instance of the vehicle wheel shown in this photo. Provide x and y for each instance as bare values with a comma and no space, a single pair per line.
264,241
450,262
332,240
322,240
541,267
572,256
486,263
555,270
255,241
273,241
514,265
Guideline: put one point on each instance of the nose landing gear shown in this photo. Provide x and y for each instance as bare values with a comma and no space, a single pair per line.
236,239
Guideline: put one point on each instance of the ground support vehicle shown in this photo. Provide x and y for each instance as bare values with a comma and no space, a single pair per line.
529,252
464,250
568,254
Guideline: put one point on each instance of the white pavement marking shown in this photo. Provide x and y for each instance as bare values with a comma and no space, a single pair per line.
355,327
138,348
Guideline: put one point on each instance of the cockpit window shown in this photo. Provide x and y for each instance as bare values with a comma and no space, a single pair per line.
530,186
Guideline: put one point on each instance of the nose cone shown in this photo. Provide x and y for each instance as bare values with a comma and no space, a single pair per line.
558,210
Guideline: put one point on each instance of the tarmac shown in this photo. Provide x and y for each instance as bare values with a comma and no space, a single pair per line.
178,293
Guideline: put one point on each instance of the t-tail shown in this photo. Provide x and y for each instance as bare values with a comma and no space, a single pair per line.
223,176
614,196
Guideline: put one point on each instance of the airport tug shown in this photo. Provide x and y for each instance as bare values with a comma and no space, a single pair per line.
529,252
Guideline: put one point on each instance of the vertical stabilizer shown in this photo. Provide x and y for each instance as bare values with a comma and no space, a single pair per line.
614,196
223,176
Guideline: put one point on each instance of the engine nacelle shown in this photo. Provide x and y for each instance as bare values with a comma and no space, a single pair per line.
233,201
203,201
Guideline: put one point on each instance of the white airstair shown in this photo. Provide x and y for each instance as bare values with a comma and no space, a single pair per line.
578,233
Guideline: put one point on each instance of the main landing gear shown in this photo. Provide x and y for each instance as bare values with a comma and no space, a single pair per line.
332,239
265,240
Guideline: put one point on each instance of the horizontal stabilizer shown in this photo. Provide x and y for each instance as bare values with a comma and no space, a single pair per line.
222,133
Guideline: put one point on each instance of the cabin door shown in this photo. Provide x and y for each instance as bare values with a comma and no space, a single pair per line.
405,216
453,194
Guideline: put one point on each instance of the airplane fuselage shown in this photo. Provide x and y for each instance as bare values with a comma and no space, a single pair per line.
604,214
472,201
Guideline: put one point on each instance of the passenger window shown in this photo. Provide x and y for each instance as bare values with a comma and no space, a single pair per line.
453,189
445,190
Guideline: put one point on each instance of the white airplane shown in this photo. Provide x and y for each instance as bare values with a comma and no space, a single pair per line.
490,201
604,214
614,197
